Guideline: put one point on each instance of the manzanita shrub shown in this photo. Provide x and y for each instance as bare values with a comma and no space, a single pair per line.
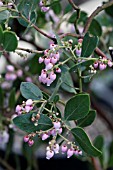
67,54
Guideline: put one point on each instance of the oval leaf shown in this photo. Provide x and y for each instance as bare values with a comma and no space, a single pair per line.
95,28
89,44
10,41
30,91
77,107
24,123
88,120
84,142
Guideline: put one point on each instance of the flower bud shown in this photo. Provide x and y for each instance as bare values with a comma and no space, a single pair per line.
30,142
26,138
57,125
69,153
63,148
29,102
49,154
45,136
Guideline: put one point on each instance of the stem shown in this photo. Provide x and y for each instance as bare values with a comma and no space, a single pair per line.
29,50
96,163
75,7
80,80
96,12
38,29
5,164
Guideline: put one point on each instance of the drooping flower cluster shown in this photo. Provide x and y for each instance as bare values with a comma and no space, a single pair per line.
103,63
43,6
25,107
50,59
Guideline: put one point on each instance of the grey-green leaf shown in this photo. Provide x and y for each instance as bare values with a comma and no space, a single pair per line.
88,120
77,107
89,44
24,123
84,142
30,91
10,41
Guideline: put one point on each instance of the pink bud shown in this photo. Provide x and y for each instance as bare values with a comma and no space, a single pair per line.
95,64
10,76
48,81
18,108
26,138
10,68
57,125
69,153
30,142
45,136
110,64
76,152
49,66
78,52
102,66
28,79
80,152
46,51
80,40
53,132
56,148
64,148
47,60
52,46
43,75
19,73
41,59
60,131
41,3
58,70
28,108
49,154
52,76
54,60
44,9
57,55
29,102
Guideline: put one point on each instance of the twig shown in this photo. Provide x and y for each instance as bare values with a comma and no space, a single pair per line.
75,7
97,11
5,164
30,50
71,34
95,163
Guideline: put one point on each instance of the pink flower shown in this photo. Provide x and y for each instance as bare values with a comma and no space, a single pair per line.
26,138
95,64
10,68
64,148
49,66
49,154
110,64
57,125
41,59
30,142
58,70
29,102
69,153
45,136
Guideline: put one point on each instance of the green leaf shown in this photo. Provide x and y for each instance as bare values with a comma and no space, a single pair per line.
68,8
12,99
67,83
80,65
1,35
95,28
1,97
99,142
109,11
30,91
24,122
89,44
56,7
33,17
88,120
4,15
10,41
73,17
84,142
77,107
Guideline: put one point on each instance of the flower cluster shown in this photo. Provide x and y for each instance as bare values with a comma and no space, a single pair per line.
43,6
25,107
102,64
50,58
